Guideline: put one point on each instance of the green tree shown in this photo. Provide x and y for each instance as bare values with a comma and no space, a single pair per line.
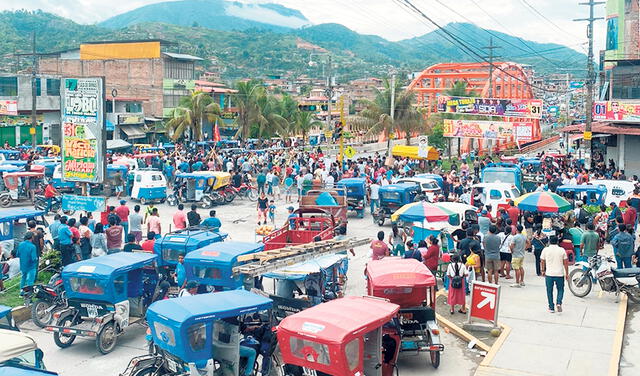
189,116
259,114
376,118
246,99
303,123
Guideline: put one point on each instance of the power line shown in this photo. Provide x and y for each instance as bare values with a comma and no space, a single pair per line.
534,10
466,47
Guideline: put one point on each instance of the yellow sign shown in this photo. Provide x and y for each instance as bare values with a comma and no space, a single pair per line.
587,136
125,50
349,152
32,131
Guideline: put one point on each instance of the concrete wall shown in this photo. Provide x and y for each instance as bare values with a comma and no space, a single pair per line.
44,102
134,78
631,159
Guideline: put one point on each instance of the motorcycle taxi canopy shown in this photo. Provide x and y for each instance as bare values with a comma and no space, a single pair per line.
213,263
402,281
184,326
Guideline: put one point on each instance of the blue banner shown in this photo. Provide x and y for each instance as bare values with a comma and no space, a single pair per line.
576,84
86,203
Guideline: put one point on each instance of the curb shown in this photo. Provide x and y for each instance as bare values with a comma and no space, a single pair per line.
616,351
458,331
21,314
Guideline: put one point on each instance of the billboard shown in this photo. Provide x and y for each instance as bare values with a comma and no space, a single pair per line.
83,131
526,108
616,111
9,107
494,130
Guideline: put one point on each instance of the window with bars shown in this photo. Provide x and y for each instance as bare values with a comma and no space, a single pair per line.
8,86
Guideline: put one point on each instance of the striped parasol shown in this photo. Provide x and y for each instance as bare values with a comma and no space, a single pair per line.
545,202
423,211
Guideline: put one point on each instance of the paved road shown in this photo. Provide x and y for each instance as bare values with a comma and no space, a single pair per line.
238,220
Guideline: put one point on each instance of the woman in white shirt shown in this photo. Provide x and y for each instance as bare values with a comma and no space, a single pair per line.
457,295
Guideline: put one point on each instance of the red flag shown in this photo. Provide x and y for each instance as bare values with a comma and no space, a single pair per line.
216,133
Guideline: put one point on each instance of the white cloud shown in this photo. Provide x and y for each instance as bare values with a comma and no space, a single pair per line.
265,15
385,17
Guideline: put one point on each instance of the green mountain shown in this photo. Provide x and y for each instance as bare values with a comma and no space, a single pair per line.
258,52
213,14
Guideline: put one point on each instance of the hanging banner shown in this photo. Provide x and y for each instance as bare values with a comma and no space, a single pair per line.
496,130
526,108
9,107
616,111
83,132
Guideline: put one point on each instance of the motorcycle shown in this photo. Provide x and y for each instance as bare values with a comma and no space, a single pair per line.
40,203
49,298
598,268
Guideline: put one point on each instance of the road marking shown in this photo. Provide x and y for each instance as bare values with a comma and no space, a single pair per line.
616,350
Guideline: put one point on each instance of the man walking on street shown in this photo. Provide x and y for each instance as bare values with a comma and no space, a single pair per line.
589,242
555,268
135,224
193,217
123,213
623,245
491,244
180,218
518,243
65,241
28,261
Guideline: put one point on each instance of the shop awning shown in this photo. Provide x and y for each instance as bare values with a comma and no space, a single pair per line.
133,131
117,144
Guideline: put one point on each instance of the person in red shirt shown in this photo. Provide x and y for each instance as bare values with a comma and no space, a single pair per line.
629,216
123,212
49,193
75,237
379,248
513,213
432,255
148,244
180,218
104,216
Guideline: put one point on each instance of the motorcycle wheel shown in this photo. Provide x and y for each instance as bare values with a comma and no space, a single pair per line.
5,200
218,199
579,276
107,339
39,313
146,371
172,200
64,340
143,201
207,202
380,222
69,212
633,293
229,196
253,195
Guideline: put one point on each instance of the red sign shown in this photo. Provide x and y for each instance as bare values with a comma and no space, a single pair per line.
484,301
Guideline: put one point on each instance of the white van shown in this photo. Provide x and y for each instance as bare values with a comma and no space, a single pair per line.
617,190
429,187
497,195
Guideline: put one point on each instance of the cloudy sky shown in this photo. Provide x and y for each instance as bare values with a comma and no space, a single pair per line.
537,20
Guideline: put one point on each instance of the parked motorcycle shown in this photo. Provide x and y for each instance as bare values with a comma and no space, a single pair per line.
610,279
40,203
46,299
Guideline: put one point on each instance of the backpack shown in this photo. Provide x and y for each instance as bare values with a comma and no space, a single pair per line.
456,280
583,217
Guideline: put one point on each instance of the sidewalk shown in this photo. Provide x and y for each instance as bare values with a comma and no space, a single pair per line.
582,340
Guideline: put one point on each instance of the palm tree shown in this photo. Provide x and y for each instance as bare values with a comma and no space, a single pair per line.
259,113
376,117
189,116
303,122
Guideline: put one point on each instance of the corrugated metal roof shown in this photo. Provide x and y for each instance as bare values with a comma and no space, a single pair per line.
181,56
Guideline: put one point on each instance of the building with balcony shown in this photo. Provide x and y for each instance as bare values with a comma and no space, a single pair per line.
16,105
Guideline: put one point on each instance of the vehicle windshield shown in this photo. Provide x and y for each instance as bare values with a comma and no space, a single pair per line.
28,359
499,176
391,196
430,186
207,272
12,156
86,286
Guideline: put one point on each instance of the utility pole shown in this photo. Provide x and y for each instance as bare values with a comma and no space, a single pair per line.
590,81
392,110
329,92
34,68
490,57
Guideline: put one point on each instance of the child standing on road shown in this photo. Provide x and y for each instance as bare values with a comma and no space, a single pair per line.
272,212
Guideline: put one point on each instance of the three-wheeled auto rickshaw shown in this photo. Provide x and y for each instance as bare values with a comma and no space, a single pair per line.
410,284
306,225
181,242
13,225
58,182
392,198
20,355
105,295
320,279
594,194
356,194
12,157
6,168
223,193
212,265
194,187
341,337
149,185
108,187
21,186
201,335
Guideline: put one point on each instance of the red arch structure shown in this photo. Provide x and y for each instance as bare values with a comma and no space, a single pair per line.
509,81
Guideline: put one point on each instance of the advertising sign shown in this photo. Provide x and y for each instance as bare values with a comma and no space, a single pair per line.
87,203
12,121
484,301
9,107
496,130
616,111
527,108
576,84
83,141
